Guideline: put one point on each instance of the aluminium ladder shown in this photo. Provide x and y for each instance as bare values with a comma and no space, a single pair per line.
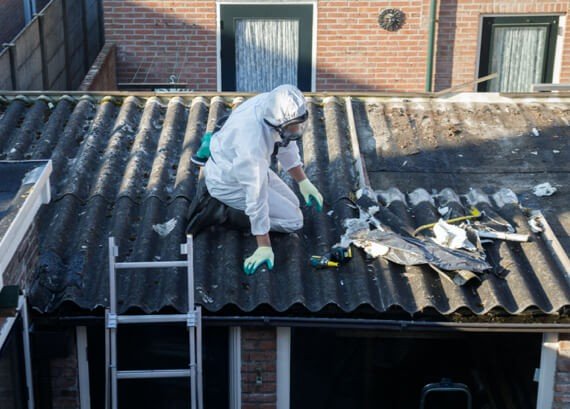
192,319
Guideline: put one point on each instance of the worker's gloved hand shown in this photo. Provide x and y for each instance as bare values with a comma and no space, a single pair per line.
262,255
311,194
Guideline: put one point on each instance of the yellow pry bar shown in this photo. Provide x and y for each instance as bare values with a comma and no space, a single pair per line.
475,213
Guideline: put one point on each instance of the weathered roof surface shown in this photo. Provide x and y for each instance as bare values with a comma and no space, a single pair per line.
122,165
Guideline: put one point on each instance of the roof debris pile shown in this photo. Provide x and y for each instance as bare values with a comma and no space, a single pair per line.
456,252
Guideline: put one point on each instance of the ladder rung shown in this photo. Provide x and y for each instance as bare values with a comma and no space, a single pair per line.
145,319
154,373
150,264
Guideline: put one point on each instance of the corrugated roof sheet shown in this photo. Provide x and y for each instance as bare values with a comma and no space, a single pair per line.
122,164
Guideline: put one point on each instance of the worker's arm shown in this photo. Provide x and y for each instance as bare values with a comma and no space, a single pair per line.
310,193
298,173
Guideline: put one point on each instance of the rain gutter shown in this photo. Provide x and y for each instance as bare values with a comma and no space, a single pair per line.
431,41
344,323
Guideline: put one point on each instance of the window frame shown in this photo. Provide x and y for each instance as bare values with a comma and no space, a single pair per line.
552,22
304,11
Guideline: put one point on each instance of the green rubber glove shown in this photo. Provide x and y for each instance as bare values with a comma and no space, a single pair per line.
262,255
204,150
310,194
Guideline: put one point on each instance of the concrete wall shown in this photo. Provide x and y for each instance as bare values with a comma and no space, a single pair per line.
156,39
102,76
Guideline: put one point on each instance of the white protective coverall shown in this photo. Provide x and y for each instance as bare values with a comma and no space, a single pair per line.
238,172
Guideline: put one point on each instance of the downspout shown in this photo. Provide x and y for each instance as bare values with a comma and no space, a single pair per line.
431,40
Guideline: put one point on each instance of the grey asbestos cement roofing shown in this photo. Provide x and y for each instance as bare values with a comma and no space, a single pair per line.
121,165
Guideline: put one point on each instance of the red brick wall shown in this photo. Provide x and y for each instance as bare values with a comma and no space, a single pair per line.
65,380
258,369
158,38
20,268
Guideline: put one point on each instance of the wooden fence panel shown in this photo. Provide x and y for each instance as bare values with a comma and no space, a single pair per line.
5,71
54,50
93,30
28,58
75,42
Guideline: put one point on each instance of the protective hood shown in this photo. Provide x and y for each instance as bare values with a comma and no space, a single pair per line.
284,104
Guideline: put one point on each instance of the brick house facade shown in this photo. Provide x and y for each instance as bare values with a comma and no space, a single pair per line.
157,39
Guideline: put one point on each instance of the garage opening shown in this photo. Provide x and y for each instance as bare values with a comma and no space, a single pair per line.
163,346
366,369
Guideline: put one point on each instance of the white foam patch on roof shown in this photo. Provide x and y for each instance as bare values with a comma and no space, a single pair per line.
419,196
505,197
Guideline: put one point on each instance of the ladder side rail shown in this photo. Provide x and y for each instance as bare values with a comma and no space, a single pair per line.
107,360
199,357
113,250
187,249
112,278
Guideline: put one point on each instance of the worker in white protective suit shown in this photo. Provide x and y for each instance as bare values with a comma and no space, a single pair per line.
238,171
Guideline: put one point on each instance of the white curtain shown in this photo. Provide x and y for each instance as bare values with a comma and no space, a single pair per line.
518,57
266,54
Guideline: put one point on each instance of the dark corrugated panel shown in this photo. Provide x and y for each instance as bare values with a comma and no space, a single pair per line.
122,165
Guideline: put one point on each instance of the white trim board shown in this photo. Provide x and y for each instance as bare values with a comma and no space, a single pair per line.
235,367
547,370
83,367
283,367
266,2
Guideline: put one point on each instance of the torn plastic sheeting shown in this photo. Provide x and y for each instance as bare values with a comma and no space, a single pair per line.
412,251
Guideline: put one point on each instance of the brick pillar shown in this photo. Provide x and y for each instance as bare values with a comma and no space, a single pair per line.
25,260
258,368
562,380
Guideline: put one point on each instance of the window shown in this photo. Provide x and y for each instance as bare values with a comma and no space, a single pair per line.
263,46
520,49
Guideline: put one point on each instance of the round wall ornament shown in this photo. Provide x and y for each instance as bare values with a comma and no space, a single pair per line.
391,19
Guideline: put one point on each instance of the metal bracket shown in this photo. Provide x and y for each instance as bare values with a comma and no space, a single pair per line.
191,319
112,320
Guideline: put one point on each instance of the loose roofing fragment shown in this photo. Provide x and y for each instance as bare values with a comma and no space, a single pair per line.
164,229
544,189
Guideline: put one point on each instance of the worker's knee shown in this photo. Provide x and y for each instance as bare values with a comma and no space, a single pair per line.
288,224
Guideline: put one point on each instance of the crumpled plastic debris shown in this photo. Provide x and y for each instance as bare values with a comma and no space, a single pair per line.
544,189
412,251
451,236
164,229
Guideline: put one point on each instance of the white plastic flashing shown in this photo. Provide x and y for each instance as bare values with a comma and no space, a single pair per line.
235,368
547,370
39,194
283,367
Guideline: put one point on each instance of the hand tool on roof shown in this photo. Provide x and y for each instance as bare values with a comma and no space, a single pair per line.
474,214
336,256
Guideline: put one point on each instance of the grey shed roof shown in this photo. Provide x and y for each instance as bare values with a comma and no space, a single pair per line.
122,164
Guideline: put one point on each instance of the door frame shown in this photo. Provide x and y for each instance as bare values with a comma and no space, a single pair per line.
557,63
219,3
